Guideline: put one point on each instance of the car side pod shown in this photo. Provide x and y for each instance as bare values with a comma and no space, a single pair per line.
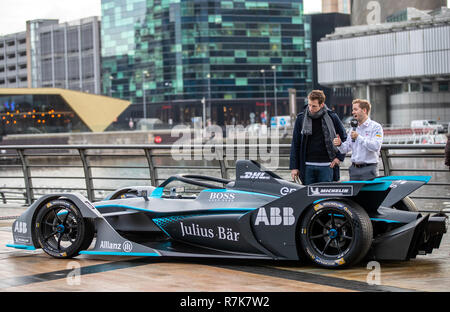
406,242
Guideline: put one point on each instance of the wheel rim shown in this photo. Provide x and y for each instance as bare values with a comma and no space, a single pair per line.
59,229
331,233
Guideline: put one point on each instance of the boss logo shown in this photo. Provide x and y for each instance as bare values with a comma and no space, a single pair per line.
222,197
256,176
276,216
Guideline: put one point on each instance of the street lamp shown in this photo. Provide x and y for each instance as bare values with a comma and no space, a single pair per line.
144,104
169,85
111,78
209,97
265,97
274,68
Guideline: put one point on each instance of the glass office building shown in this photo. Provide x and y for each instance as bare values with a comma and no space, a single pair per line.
171,54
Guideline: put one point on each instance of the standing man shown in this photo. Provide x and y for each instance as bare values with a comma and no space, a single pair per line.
447,152
314,158
364,142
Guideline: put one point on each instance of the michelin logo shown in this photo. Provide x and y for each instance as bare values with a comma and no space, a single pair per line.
330,190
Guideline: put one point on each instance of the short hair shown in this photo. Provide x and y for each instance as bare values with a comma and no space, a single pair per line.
363,104
317,95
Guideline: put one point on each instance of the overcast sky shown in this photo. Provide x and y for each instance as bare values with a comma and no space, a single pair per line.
14,13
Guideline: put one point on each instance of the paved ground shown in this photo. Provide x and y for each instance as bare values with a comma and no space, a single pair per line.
35,271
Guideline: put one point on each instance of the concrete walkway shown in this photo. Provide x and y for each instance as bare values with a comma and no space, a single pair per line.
11,211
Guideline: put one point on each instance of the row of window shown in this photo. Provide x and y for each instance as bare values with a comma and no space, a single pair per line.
12,67
12,43
442,86
12,80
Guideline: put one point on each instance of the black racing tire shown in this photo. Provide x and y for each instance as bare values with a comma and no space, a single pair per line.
406,204
335,233
61,230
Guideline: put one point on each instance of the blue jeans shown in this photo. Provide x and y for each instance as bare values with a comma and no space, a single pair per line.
316,174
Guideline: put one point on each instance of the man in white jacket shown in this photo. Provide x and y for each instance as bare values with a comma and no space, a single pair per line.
364,142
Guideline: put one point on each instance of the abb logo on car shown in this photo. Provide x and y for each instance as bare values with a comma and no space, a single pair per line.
275,217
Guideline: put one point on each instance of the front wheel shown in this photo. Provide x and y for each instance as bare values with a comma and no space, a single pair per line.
61,230
336,233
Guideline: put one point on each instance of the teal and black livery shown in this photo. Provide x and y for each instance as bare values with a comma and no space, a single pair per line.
258,215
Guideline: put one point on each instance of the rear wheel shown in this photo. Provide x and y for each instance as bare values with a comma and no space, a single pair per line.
336,233
61,230
406,204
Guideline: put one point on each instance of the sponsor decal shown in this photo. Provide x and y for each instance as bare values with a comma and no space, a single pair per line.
255,175
395,184
218,232
338,262
126,246
330,190
222,197
286,190
276,216
109,245
20,227
21,240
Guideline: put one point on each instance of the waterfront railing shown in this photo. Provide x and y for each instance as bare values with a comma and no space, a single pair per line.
30,171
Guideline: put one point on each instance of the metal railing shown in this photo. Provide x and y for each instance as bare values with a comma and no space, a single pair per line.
152,164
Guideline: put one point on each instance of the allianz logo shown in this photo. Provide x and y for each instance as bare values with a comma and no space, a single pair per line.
126,246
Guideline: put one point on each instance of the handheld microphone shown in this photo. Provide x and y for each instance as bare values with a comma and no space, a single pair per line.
354,124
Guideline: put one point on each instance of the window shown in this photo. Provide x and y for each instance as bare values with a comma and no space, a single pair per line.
415,87
427,87
405,87
443,86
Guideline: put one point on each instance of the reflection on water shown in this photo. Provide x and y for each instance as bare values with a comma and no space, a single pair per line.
110,173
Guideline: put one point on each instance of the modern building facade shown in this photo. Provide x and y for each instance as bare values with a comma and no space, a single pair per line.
371,12
402,68
13,61
240,56
49,54
318,26
65,55
336,6
52,110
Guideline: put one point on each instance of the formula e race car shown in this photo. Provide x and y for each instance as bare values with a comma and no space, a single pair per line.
256,216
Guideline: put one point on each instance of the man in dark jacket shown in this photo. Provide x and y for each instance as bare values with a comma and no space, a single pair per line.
314,158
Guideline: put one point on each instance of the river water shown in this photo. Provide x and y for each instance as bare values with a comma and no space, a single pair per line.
48,178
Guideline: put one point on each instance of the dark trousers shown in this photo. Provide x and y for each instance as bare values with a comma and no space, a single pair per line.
316,174
362,173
